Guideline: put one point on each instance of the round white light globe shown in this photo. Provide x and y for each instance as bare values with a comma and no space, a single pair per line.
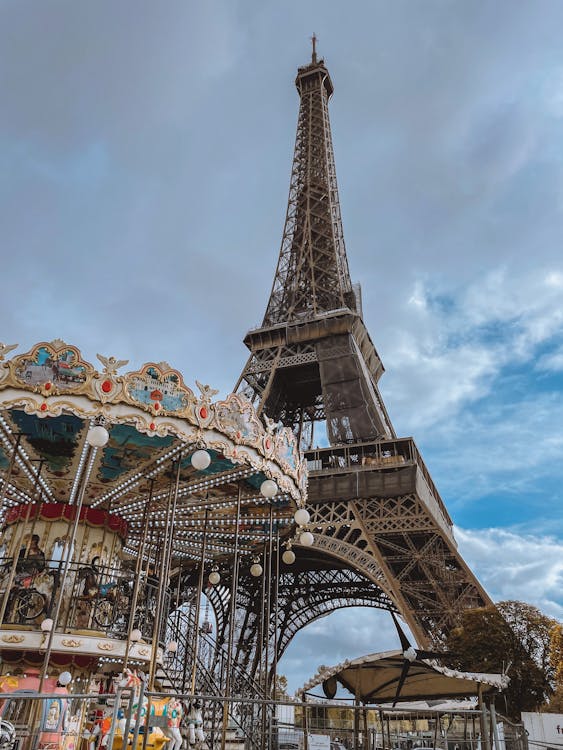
97,436
214,577
288,557
269,488
136,635
306,539
201,460
255,570
47,625
301,517
64,678
172,647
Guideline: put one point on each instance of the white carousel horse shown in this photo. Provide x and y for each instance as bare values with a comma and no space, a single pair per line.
195,722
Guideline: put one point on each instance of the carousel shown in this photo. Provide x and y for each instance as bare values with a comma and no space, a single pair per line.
134,512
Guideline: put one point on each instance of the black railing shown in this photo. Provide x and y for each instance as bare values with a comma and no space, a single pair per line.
97,598
379,454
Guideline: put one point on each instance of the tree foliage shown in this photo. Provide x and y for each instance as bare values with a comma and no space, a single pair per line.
511,637
555,704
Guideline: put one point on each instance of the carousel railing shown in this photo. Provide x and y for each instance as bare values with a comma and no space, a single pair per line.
97,598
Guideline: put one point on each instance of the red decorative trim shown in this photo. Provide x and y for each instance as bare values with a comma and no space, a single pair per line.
34,658
63,512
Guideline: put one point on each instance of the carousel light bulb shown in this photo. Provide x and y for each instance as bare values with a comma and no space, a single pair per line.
269,488
214,577
136,635
172,647
97,436
64,678
306,539
301,517
255,569
288,556
201,460
47,625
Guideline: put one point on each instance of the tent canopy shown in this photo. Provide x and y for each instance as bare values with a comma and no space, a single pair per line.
374,678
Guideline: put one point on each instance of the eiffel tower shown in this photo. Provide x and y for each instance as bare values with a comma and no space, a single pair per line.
383,536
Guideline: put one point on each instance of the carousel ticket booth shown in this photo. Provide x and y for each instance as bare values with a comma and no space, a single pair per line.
122,499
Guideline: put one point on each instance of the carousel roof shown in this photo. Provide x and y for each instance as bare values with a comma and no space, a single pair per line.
49,399
374,678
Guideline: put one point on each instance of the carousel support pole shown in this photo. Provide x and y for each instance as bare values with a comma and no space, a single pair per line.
138,569
262,630
89,458
35,497
269,600
274,675
78,509
116,706
127,726
267,623
232,612
195,647
164,575
166,556
9,471
138,717
16,545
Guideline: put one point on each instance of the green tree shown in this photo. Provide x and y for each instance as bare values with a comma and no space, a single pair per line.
555,704
512,637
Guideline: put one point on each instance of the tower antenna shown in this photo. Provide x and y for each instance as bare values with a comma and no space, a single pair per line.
314,41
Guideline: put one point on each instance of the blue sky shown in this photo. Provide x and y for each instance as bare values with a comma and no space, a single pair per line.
145,152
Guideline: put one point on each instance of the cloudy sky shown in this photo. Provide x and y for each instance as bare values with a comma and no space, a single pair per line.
145,152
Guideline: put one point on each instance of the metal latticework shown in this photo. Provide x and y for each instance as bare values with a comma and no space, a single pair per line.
312,276
375,510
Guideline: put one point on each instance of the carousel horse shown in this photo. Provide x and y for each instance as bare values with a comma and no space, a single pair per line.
195,722
156,739
173,711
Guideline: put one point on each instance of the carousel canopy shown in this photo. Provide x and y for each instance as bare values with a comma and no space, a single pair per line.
374,678
50,398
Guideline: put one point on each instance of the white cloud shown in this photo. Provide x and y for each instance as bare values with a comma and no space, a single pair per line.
453,342
552,362
516,566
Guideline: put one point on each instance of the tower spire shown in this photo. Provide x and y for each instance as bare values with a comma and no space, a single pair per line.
314,53
312,275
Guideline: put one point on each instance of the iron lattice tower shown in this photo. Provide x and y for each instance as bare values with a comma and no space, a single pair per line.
383,536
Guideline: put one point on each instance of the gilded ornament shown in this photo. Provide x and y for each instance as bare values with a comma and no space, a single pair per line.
111,364
105,646
71,643
4,349
13,638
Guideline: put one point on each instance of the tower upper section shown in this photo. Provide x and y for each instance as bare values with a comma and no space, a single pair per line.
312,275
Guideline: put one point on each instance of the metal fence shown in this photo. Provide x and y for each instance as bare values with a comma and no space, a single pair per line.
61,721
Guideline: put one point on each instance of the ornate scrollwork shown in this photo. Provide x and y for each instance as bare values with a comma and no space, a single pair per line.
13,638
